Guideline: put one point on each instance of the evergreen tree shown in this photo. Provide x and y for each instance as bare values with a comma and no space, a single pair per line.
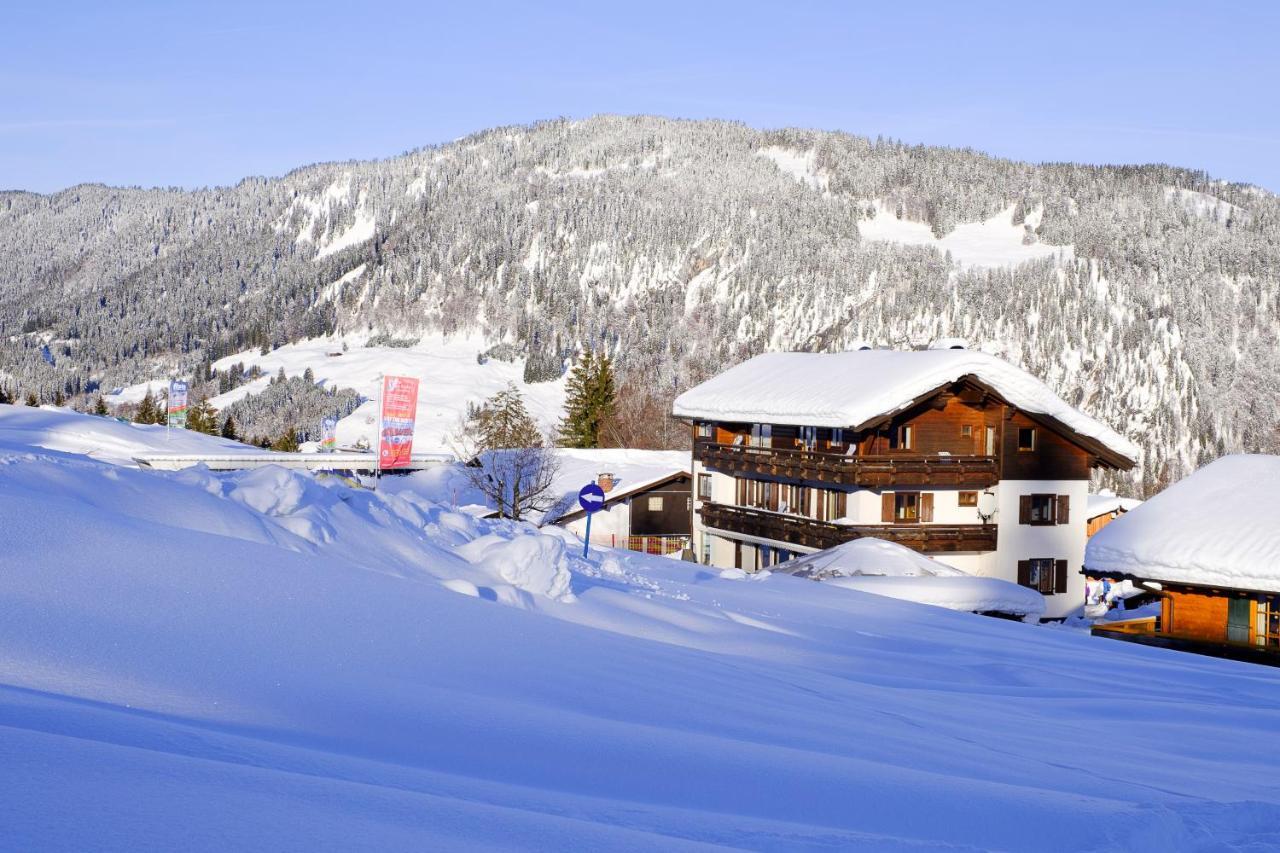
503,423
203,417
100,407
590,399
59,399
31,399
147,412
4,395
229,428
288,442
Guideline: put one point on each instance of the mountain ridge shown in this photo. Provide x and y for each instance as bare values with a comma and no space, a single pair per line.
1148,294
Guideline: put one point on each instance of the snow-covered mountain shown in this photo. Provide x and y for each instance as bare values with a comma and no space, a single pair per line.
1148,295
269,660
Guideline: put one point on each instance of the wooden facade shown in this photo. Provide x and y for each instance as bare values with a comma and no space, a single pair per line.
811,533
961,435
1215,620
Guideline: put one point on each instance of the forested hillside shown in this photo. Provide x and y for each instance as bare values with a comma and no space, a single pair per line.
1148,295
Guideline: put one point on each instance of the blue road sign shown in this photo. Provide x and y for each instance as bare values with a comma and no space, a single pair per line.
591,498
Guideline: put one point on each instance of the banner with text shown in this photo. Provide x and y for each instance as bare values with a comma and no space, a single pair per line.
177,403
328,435
399,407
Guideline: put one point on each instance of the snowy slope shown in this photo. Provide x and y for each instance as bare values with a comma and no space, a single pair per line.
448,373
994,242
1219,527
266,661
103,438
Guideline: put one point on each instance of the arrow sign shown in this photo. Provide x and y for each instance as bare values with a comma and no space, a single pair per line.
591,498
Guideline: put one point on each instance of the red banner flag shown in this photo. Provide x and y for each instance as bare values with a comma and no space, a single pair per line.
399,408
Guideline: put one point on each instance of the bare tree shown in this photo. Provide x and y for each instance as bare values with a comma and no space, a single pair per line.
506,457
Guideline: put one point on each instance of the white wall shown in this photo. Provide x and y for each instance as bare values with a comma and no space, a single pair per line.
610,527
1057,541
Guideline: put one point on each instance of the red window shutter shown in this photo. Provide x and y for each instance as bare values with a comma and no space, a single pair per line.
1024,509
1060,576
886,507
1024,572
926,507
1064,509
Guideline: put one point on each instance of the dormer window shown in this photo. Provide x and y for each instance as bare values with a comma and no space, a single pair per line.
1026,438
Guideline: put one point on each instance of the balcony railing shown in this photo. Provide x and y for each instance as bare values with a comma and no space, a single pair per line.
810,533
978,472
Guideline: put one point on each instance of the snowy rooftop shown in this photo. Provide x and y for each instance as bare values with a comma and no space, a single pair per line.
848,389
892,570
631,469
867,556
1217,527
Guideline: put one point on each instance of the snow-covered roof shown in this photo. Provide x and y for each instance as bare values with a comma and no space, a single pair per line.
1218,527
867,556
848,389
632,470
969,593
893,570
1107,502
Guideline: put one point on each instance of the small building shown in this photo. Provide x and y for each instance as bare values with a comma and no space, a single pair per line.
952,453
647,498
1209,547
1105,507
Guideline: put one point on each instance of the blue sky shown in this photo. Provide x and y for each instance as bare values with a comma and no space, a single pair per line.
206,93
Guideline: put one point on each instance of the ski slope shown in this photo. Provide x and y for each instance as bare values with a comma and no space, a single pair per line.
269,661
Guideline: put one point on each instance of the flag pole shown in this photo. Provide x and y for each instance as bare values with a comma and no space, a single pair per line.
377,438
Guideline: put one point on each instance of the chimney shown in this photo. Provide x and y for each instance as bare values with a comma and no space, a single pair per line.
605,481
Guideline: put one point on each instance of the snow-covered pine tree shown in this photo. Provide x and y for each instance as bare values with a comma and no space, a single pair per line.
589,402
229,428
146,413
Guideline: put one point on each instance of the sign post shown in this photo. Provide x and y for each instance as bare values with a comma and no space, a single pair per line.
176,408
591,499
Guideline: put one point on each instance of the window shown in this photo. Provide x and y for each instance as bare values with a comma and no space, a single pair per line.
966,431
968,499
706,550
1038,509
837,436
705,430
655,503
1042,576
1026,438
1238,620
809,437
903,438
990,441
906,506
704,487
762,435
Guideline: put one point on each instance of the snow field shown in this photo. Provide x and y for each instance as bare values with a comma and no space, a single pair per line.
271,660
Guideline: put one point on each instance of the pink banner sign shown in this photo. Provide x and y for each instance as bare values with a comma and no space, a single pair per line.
399,408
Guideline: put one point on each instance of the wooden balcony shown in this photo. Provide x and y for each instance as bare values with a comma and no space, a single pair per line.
905,469
797,530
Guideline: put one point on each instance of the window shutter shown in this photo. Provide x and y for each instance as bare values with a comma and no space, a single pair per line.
1024,509
926,507
1024,572
1064,509
1060,576
842,505
886,507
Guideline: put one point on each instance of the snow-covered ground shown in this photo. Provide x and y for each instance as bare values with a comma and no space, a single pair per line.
447,369
103,438
269,661
995,242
